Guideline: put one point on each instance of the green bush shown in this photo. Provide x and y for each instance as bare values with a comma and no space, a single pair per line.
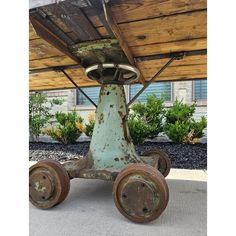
151,113
146,119
88,129
138,130
180,127
68,129
39,113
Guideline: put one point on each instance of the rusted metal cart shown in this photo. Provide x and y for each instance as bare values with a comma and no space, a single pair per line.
140,190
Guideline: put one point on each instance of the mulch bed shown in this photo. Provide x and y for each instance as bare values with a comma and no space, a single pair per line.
182,155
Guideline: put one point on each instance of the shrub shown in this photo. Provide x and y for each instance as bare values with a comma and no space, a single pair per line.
151,113
180,127
69,127
138,130
88,129
179,112
39,113
146,119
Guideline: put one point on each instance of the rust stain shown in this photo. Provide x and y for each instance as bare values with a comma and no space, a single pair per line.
101,118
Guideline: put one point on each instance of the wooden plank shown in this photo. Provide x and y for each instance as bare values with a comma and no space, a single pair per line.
32,33
55,85
116,31
49,87
181,78
162,30
158,32
186,71
51,38
187,60
130,10
177,46
74,18
50,62
178,71
39,48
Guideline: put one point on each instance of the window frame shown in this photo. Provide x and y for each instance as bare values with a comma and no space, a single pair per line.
165,101
193,92
86,106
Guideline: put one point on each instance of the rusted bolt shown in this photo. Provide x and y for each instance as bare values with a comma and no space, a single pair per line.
145,210
141,37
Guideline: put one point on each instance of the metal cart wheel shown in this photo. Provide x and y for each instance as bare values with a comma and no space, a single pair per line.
140,193
164,163
49,184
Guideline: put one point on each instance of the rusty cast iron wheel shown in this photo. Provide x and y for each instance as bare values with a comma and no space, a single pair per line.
164,163
49,184
140,193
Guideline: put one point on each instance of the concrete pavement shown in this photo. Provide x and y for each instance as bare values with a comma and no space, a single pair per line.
89,210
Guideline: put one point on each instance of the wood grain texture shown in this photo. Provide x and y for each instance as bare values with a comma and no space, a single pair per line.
39,48
145,9
187,60
162,48
149,27
162,30
190,67
159,35
50,62
32,33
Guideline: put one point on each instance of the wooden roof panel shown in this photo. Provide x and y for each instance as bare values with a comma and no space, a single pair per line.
51,62
136,10
150,27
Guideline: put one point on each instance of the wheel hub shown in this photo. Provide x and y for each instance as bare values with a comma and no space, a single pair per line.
41,185
138,197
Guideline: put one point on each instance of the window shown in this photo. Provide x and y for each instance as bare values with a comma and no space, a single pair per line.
161,89
92,92
200,90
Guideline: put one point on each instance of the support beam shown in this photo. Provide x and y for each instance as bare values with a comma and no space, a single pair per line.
54,68
42,17
171,55
51,37
73,82
98,9
76,20
151,80
115,29
138,59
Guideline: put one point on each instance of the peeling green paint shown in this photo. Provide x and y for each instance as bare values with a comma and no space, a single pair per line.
38,187
111,146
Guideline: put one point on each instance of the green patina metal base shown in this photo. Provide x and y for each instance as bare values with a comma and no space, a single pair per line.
111,148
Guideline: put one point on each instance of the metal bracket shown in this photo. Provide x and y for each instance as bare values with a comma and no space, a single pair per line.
73,82
176,57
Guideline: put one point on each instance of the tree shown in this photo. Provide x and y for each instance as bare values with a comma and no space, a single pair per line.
39,113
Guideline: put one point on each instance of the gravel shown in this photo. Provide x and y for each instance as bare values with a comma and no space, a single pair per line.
182,155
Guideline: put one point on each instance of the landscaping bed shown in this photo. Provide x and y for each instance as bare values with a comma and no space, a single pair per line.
184,156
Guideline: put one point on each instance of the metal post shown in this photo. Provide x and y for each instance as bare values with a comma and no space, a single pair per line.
73,82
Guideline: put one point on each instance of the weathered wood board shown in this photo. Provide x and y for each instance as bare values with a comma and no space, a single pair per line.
150,27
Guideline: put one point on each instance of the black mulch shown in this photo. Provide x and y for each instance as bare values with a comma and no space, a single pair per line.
181,155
